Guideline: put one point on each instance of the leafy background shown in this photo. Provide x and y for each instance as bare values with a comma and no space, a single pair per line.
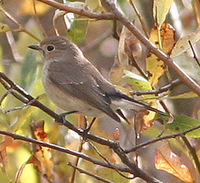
19,27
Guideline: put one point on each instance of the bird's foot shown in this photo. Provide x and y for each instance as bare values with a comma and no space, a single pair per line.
67,113
86,130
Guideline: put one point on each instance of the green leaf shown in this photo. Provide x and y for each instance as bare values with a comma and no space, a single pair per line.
24,116
182,123
184,96
137,82
28,72
78,31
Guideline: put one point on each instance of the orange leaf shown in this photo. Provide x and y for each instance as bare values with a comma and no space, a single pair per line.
116,134
168,161
42,154
8,142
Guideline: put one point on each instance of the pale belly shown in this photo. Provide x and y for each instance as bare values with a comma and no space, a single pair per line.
69,103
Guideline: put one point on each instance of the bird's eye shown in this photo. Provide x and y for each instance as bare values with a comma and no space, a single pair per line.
50,48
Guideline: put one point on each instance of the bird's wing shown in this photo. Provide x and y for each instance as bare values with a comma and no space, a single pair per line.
82,85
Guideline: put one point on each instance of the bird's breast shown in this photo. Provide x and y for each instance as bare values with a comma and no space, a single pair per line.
64,100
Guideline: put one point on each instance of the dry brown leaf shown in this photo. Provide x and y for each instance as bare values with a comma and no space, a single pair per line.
116,134
168,161
144,119
129,49
43,154
3,153
8,142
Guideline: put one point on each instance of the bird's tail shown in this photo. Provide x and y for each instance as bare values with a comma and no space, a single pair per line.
139,104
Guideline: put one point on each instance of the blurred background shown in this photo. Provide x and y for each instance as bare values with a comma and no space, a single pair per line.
21,26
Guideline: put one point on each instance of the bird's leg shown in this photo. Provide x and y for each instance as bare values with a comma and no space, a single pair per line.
86,130
67,113
122,115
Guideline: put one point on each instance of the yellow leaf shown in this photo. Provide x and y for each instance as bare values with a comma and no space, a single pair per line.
149,118
155,66
156,69
27,8
42,154
184,95
4,27
160,10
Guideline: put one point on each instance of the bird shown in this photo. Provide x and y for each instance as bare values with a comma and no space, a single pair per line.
74,84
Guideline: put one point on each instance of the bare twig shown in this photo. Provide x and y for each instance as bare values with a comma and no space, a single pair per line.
116,14
83,12
21,28
96,41
4,96
140,18
165,88
13,47
133,168
168,61
194,54
65,150
90,174
77,160
38,20
17,108
192,152
162,138
97,151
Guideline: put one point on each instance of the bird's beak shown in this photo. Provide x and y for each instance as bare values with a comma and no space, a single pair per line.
35,47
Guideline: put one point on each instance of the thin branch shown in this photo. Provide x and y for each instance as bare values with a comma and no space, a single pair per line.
13,46
162,138
4,96
90,174
96,41
168,61
84,12
116,14
77,160
21,28
194,54
192,152
65,150
140,18
137,172
38,20
97,151
165,88
17,108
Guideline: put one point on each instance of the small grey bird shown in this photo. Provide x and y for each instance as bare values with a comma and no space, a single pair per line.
74,84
